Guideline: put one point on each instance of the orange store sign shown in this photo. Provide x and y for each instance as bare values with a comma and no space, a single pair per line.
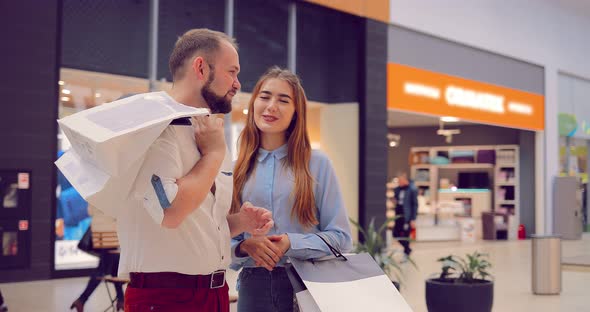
375,9
421,91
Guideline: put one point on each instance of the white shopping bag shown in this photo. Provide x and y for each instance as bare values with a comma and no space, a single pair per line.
113,136
344,283
109,143
98,188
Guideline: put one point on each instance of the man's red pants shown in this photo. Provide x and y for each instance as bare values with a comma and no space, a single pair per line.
170,299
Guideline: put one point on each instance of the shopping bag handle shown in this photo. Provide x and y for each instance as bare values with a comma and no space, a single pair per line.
334,251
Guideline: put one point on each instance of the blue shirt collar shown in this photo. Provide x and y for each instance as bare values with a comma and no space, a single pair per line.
278,153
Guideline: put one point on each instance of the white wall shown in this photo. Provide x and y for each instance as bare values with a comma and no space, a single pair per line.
550,33
544,32
339,140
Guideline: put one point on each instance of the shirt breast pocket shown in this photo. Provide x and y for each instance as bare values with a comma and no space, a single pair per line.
224,183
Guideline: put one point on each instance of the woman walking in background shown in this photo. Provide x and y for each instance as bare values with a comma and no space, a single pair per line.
108,262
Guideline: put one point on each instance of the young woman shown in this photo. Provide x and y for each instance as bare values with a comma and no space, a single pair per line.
277,169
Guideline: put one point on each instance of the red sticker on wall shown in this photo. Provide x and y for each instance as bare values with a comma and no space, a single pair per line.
23,225
23,181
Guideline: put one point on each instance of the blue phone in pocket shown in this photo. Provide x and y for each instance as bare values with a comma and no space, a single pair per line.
160,193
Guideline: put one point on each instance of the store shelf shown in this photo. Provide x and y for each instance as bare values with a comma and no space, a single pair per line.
466,166
506,202
505,165
504,177
507,179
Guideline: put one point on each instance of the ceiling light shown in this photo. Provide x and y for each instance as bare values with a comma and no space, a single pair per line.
61,83
393,139
449,119
245,111
65,99
66,91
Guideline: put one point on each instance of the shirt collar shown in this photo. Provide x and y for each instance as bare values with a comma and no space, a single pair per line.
278,153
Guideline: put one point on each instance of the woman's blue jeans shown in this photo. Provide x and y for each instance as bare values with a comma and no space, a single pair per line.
261,290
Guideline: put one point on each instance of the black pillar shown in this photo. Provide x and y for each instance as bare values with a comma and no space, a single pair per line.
30,34
373,123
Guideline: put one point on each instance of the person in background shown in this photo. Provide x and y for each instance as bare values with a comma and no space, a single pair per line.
3,307
72,217
108,262
406,208
277,169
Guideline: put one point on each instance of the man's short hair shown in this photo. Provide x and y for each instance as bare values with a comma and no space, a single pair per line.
202,41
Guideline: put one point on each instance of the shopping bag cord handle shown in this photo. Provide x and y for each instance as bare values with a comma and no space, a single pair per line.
334,251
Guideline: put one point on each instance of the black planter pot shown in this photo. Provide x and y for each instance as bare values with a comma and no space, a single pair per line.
449,296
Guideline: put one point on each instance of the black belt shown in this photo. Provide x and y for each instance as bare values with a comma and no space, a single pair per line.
177,280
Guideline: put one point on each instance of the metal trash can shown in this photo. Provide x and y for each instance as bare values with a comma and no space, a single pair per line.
546,253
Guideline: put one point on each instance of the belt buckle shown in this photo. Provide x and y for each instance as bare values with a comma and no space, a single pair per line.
217,279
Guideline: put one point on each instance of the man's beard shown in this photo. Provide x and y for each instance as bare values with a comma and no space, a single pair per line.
217,104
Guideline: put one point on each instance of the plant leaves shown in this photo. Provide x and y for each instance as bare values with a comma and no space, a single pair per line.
467,269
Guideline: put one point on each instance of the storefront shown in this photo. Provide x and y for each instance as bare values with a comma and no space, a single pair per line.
124,56
574,139
462,126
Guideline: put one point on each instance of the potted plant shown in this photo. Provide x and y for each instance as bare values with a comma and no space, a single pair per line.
463,285
375,245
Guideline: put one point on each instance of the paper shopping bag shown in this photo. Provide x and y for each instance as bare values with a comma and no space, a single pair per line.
344,283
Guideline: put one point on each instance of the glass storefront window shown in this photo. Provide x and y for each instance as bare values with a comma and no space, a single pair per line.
576,164
80,90
9,244
573,154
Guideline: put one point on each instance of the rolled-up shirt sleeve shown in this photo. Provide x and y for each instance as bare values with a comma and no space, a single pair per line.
237,261
155,184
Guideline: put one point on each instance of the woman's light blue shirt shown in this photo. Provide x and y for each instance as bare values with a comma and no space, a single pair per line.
271,186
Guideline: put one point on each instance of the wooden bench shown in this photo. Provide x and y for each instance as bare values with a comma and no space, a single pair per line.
105,240
109,242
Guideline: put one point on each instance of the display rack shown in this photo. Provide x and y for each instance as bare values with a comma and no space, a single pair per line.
428,166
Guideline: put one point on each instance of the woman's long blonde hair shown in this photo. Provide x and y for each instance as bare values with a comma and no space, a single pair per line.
298,153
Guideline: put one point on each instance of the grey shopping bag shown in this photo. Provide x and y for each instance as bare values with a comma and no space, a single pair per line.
343,283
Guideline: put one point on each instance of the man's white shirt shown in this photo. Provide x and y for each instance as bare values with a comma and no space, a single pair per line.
201,244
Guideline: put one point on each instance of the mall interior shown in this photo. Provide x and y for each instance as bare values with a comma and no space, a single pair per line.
484,105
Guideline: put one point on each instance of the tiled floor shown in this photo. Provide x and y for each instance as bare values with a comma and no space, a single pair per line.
57,295
512,271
